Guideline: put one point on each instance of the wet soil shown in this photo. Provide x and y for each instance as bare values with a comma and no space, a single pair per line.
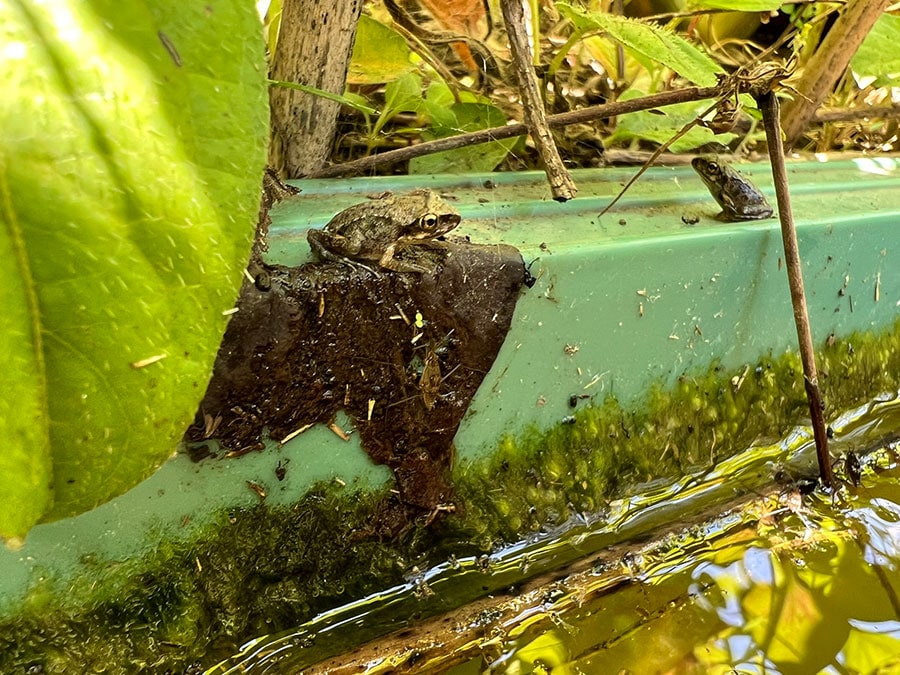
402,354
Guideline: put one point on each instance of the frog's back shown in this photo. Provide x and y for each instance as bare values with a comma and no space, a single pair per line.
351,219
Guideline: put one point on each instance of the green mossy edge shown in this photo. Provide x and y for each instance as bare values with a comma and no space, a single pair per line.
265,569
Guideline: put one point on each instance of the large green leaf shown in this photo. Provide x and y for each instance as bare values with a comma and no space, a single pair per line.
132,142
647,41
736,5
878,55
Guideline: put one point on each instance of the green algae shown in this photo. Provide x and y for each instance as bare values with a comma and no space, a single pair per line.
546,476
257,571
250,572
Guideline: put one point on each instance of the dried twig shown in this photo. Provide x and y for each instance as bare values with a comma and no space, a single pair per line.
828,63
854,114
561,184
512,130
656,153
768,105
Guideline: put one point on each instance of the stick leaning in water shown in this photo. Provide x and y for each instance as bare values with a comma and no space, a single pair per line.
768,105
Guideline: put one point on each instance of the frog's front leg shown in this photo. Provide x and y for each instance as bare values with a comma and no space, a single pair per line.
319,243
388,261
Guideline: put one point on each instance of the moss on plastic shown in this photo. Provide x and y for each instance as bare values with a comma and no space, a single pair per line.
267,569
544,476
251,572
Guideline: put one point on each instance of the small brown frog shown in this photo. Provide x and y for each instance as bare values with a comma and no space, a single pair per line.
739,198
376,231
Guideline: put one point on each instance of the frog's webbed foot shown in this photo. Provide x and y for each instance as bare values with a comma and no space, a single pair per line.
389,262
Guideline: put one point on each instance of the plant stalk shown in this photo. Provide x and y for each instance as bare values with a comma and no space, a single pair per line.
561,184
768,105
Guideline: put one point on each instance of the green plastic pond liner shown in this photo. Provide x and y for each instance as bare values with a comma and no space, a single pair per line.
649,346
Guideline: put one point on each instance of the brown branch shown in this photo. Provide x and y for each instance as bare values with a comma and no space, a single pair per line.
854,114
561,184
512,130
768,105
828,63
616,157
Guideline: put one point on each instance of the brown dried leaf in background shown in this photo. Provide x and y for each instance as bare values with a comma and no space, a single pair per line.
468,17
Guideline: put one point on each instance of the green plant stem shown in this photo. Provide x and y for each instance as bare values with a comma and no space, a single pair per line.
337,98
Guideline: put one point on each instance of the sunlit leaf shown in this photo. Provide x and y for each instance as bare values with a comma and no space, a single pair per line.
647,40
403,95
794,620
714,656
789,624
736,5
633,65
659,126
460,16
380,54
272,27
472,159
438,101
548,650
878,55
132,140
871,652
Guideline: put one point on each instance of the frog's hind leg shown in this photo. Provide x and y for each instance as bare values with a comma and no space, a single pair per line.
320,250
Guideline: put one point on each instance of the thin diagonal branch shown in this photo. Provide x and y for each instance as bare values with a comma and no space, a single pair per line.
367,164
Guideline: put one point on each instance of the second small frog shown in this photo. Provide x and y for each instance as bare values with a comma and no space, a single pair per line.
739,198
377,230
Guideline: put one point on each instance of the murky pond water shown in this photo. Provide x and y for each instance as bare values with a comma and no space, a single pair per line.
742,569
789,584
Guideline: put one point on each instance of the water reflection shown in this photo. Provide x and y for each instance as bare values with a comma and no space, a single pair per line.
784,581
812,588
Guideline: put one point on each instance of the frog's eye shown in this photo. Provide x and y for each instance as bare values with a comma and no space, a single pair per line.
713,166
429,220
